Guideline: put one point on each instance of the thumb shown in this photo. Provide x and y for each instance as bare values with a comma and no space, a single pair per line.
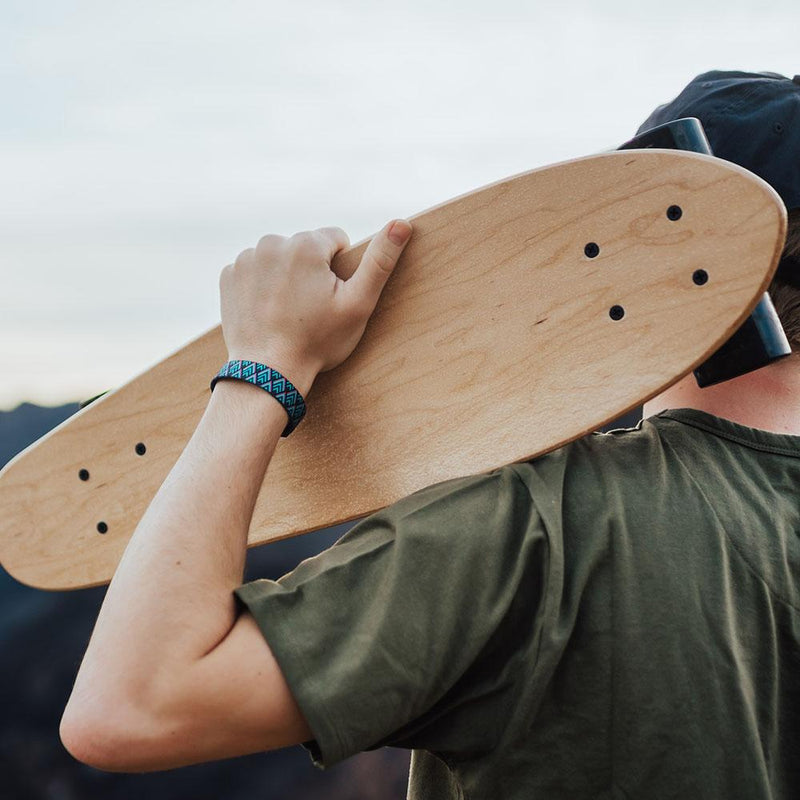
378,261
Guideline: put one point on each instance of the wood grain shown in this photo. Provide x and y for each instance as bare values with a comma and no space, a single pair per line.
492,343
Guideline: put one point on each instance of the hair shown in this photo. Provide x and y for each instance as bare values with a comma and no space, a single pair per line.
786,298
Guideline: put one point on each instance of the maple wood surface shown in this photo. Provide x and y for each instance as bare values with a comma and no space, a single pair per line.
492,343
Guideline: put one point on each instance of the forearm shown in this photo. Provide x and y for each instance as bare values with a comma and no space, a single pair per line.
171,600
170,675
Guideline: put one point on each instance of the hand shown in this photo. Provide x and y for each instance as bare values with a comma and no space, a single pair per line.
283,306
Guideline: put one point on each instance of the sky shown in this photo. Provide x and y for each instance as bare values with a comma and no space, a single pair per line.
144,144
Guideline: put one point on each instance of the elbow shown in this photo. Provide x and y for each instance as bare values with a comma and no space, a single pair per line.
112,740
76,737
87,741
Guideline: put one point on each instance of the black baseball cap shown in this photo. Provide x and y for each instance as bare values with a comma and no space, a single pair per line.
751,119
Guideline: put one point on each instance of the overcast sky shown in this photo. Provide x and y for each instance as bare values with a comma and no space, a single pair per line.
144,144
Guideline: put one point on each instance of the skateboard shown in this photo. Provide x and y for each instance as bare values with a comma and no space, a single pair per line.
520,317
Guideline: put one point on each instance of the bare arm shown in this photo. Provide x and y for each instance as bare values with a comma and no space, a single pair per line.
172,676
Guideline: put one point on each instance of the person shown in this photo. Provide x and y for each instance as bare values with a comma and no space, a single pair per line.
619,618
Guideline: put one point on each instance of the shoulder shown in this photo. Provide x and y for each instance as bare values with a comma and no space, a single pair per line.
603,487
595,461
457,516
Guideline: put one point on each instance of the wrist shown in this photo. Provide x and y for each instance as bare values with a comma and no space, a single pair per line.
273,382
297,371
250,406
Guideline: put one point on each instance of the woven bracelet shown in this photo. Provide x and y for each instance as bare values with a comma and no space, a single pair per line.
270,381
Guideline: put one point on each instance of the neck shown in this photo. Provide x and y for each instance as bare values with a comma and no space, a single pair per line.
768,399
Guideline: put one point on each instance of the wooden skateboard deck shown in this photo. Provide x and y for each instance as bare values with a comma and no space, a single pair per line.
520,317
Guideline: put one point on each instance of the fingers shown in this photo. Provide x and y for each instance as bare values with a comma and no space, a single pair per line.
314,247
332,239
322,244
377,263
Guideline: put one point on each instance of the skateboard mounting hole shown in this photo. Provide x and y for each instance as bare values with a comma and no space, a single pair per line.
700,277
674,213
616,312
84,474
140,449
102,527
592,250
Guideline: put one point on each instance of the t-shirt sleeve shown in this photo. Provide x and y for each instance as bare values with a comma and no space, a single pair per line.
405,630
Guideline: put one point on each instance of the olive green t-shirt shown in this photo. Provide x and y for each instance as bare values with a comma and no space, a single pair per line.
617,619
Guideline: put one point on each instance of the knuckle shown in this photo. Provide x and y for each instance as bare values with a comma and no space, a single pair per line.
269,244
245,257
306,247
334,234
383,260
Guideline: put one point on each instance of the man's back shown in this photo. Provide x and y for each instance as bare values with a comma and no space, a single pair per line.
634,626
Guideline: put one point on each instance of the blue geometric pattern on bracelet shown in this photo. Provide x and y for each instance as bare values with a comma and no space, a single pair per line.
271,381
